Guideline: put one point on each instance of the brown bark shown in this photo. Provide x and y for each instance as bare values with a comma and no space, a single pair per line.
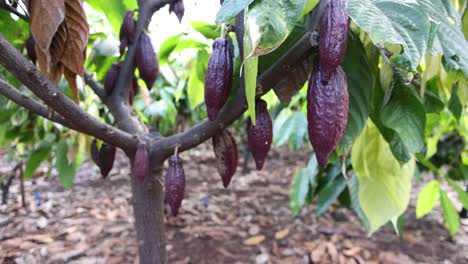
148,209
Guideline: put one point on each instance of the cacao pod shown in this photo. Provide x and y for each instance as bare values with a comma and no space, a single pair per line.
128,28
122,46
147,60
30,49
327,112
225,149
141,161
94,152
260,136
106,158
333,37
218,80
175,184
178,8
111,78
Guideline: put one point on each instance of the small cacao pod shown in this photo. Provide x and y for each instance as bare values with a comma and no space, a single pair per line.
175,184
30,49
178,8
333,37
225,149
260,136
141,161
94,152
327,112
111,78
106,158
128,28
218,80
147,60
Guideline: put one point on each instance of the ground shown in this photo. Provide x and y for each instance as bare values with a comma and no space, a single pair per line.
250,222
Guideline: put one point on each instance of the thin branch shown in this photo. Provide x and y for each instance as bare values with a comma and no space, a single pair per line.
238,105
25,101
12,10
43,88
126,119
95,86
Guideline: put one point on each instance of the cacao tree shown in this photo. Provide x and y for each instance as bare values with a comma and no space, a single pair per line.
376,87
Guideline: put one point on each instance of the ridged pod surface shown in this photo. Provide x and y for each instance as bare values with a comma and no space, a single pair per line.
218,80
327,112
127,31
175,184
260,136
225,149
30,49
141,161
111,78
178,8
333,37
94,152
147,60
106,158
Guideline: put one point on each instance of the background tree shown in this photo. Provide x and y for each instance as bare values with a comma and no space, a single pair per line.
405,101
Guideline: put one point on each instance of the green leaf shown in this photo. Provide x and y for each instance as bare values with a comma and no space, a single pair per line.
309,5
270,23
396,22
14,31
452,219
36,158
167,47
67,169
405,114
448,38
427,198
360,86
330,193
230,9
432,102
303,182
290,126
250,76
462,195
114,12
355,204
384,184
454,103
207,30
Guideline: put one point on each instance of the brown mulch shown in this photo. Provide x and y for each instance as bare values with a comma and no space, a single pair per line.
250,222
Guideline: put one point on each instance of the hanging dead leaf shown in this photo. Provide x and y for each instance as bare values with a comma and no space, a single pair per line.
294,78
71,79
255,240
282,234
58,43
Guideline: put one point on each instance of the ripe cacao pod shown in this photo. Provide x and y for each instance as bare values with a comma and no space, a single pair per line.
333,37
94,152
111,78
327,112
122,46
30,49
106,158
175,184
260,136
128,28
218,80
178,8
147,60
141,161
225,149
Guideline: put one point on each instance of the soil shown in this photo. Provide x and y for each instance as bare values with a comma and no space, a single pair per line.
250,222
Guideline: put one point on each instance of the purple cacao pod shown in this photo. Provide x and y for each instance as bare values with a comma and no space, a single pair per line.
147,60
333,37
225,149
327,112
30,49
141,161
178,8
111,78
106,158
218,80
175,184
128,28
122,46
94,152
260,136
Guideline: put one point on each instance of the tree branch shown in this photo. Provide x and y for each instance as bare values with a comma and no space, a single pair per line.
27,102
126,119
238,105
7,7
43,88
95,86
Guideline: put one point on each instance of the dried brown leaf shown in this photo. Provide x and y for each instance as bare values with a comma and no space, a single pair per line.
294,80
255,240
58,43
71,79
282,234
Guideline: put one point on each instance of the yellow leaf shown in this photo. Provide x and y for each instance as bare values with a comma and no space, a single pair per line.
282,234
255,240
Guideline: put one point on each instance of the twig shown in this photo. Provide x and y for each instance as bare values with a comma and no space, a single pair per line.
21,175
95,86
7,7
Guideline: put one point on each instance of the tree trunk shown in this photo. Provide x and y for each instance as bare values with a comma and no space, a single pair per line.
148,208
